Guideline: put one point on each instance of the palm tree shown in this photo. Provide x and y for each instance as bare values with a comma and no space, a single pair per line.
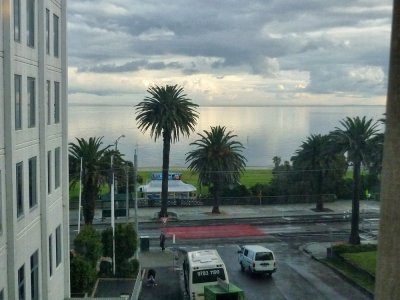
316,159
94,171
217,160
166,113
355,138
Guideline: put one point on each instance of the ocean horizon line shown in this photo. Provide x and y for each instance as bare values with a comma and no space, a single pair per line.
242,105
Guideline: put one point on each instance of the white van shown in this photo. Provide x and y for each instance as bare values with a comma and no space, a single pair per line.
257,259
201,268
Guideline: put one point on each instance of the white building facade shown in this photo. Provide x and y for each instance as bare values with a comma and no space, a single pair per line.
34,224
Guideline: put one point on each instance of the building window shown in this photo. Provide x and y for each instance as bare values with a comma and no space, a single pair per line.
35,276
48,97
56,35
56,102
2,294
21,283
31,102
57,163
47,31
32,182
20,189
30,23
58,245
17,20
51,255
18,101
49,172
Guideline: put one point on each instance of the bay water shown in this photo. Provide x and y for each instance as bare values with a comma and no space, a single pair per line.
264,131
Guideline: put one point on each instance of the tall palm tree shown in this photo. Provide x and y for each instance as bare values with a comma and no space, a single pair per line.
355,138
94,171
217,160
166,113
317,162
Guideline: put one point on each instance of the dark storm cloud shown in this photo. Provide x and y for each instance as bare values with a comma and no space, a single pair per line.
237,36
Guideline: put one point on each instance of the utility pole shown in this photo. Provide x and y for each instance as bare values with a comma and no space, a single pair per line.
135,165
127,192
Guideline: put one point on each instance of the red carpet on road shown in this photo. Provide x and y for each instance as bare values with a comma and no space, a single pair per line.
214,231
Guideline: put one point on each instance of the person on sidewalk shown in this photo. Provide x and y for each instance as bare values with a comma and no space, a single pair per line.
151,277
162,241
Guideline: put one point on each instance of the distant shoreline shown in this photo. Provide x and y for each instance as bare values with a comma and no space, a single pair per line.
266,105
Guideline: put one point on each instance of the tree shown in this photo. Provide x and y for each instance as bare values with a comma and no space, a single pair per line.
217,159
388,263
166,113
94,171
88,244
355,139
317,163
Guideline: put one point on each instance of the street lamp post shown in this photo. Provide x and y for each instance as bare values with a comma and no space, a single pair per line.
112,202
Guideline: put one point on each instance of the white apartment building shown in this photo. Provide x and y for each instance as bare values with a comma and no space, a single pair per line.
34,233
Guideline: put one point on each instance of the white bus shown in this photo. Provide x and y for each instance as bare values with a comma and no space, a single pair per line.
201,268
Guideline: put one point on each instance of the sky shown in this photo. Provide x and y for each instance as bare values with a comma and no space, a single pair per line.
230,52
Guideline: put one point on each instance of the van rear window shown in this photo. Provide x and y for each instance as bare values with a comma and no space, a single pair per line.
264,256
208,275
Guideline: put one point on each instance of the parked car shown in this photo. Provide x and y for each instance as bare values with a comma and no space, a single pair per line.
257,259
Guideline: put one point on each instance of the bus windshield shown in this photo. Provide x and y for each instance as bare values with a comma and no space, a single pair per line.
208,275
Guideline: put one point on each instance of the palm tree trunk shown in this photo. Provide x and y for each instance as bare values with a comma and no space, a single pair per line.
355,210
165,171
216,195
320,202
388,263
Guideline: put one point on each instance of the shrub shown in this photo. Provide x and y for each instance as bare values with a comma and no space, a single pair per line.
83,274
125,242
88,244
348,248
128,268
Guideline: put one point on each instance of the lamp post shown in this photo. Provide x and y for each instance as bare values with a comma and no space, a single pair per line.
112,202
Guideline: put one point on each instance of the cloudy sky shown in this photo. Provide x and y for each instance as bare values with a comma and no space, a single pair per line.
230,52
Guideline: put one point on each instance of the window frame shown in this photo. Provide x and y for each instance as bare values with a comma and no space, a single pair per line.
48,95
58,246
50,255
57,168
19,186
56,35
32,174
57,103
47,33
17,20
34,260
49,172
17,102
31,97
30,23
21,283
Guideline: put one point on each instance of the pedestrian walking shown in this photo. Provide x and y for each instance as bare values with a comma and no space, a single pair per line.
162,241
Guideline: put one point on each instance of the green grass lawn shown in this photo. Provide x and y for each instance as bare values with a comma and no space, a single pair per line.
364,260
249,178
359,278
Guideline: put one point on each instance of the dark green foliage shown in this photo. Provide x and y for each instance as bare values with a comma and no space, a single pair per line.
95,164
218,161
83,274
235,191
88,244
348,248
125,242
127,269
